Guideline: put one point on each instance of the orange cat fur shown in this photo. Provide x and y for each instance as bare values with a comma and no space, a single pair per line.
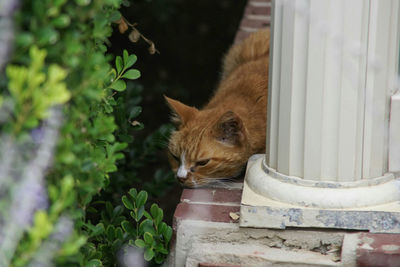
215,142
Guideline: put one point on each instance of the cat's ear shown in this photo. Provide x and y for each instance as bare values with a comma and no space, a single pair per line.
181,112
229,129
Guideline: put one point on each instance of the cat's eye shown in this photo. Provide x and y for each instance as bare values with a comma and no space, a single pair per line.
202,162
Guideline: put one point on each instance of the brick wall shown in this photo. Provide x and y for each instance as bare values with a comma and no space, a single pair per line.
257,15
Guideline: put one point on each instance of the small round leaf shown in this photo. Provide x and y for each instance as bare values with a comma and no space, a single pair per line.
118,85
131,74
140,243
127,203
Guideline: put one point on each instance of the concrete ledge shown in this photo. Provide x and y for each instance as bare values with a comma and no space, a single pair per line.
262,211
253,255
204,264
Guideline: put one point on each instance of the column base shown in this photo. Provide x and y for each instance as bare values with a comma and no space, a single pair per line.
261,211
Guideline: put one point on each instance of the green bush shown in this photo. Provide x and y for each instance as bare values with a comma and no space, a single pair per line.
60,58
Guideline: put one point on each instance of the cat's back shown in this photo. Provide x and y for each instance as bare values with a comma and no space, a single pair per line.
244,87
245,73
254,47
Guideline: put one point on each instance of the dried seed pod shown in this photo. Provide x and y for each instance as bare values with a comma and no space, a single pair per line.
134,36
122,26
152,48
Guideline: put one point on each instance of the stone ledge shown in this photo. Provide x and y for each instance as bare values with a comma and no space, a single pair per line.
262,211
203,264
254,256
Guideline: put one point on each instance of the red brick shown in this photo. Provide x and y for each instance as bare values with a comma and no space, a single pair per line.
251,23
254,10
379,250
200,212
212,195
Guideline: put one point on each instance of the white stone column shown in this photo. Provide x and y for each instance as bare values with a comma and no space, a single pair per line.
334,69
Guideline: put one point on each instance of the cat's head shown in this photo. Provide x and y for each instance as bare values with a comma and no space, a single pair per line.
209,145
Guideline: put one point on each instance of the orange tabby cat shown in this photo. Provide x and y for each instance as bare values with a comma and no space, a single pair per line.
215,142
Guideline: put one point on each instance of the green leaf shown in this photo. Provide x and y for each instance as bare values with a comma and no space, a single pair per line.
157,214
159,217
154,210
140,213
115,16
131,74
131,60
118,233
163,251
141,199
147,215
135,111
148,254
96,230
131,243
127,203
93,263
110,232
162,228
72,247
117,211
59,3
126,3
133,215
118,85
128,227
125,57
42,226
133,193
146,226
148,238
83,2
61,21
159,259
47,35
91,210
168,234
140,243
116,244
109,208
24,39
118,64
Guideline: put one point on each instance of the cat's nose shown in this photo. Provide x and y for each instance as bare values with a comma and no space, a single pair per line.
182,173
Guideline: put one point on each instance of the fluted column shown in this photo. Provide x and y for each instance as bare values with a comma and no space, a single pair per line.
334,69
332,77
